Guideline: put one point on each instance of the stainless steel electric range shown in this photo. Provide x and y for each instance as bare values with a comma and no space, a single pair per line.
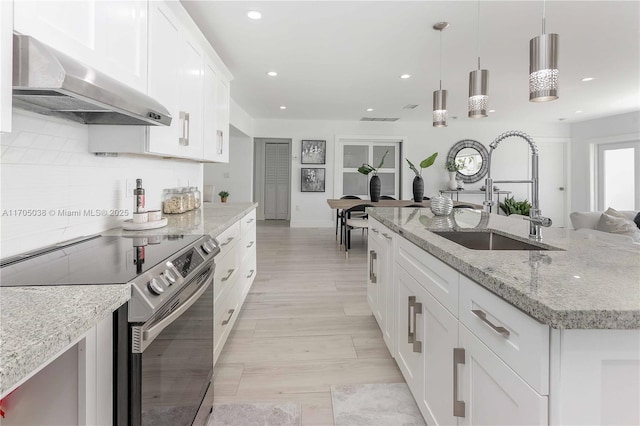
163,337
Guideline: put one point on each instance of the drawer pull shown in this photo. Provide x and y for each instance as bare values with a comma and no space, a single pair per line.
250,244
229,273
417,309
483,316
374,230
372,276
250,220
228,241
386,236
231,311
458,358
251,273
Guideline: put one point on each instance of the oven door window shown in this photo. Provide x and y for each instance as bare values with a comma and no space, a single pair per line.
177,367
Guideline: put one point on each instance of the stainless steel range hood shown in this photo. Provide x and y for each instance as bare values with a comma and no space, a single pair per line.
51,83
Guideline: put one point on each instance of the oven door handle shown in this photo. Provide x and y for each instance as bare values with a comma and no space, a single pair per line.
149,335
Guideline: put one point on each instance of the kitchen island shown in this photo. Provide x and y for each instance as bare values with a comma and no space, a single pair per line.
548,335
38,324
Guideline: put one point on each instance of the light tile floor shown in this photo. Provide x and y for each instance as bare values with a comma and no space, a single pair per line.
305,325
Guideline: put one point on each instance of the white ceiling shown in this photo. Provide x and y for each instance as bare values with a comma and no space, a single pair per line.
336,58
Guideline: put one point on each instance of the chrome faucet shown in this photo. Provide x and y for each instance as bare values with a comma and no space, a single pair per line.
536,220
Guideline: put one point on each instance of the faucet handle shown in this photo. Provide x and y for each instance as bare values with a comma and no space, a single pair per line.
539,220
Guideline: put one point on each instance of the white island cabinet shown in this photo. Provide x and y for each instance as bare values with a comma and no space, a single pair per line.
187,77
470,357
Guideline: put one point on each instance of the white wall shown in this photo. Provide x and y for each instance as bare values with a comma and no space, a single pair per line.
421,140
240,119
237,176
584,135
46,166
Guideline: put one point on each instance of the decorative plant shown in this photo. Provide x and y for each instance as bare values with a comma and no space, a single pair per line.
511,206
223,195
427,162
454,166
365,169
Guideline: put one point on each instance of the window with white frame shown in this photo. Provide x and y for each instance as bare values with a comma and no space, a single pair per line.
352,153
618,175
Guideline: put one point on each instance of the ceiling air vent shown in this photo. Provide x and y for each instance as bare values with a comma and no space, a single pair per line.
378,119
410,106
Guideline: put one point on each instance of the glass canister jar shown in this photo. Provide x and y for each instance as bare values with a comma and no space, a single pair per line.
191,198
198,196
174,200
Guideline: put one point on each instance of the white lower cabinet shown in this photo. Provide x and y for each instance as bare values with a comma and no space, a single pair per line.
467,356
492,393
235,272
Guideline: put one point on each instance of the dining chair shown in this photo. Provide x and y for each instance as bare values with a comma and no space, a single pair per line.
339,214
386,197
426,198
349,222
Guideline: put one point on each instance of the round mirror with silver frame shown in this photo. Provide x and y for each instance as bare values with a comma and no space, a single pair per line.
473,155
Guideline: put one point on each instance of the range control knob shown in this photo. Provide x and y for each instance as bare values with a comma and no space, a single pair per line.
155,287
207,247
170,276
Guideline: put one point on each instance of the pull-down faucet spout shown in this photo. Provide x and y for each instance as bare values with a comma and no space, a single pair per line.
536,220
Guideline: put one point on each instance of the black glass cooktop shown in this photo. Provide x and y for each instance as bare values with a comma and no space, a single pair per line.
99,260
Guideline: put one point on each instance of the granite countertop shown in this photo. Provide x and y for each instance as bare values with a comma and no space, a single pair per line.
585,283
37,322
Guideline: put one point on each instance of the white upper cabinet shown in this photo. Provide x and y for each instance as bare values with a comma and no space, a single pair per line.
184,75
108,35
6,60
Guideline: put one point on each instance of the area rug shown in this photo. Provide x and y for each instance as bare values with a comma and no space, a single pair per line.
385,404
256,414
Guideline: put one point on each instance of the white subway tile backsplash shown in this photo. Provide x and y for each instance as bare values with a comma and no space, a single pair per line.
46,166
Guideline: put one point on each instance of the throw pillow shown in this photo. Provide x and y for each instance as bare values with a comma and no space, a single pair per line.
637,220
615,222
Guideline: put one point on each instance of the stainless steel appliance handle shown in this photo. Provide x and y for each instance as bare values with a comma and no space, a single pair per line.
498,329
149,335
458,358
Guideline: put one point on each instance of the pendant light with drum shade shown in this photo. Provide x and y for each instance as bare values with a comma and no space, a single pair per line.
543,65
440,96
478,85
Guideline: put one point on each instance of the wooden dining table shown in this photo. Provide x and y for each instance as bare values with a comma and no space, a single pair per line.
346,203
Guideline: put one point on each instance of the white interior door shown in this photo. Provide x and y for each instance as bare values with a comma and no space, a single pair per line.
276,182
553,178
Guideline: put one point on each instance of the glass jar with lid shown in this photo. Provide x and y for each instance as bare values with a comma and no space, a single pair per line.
197,195
191,198
174,200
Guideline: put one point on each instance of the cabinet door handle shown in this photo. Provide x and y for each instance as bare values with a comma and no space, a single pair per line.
417,309
184,140
228,241
231,311
229,273
220,135
372,276
250,220
458,358
251,273
483,316
250,244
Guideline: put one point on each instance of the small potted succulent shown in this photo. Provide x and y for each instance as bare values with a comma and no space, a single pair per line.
418,183
453,167
374,184
223,196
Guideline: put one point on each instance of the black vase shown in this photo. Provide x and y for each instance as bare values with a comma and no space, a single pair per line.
418,189
374,188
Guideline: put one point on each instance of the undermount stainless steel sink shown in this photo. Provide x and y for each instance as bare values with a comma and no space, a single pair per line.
487,241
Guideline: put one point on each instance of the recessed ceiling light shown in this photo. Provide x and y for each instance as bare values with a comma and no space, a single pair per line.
283,107
586,79
579,112
272,73
254,14
405,76
369,109
492,110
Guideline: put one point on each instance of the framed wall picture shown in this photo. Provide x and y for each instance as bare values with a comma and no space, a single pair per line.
312,180
313,152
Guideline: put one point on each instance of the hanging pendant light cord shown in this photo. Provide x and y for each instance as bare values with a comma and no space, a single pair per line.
440,59
478,37
544,15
